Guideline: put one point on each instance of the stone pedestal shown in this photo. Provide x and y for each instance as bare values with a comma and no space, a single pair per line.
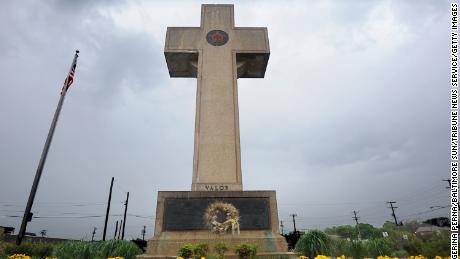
179,220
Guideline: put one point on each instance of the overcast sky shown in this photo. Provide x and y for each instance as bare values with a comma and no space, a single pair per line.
353,110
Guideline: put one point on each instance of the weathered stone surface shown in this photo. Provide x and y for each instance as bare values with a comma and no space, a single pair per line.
187,214
217,53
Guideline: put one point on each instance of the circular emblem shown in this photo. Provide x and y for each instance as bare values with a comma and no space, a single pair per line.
217,37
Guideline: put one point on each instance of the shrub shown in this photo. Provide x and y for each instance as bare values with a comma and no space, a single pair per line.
246,251
186,251
313,243
200,250
357,249
220,249
340,247
39,249
400,253
438,244
118,248
378,246
75,249
102,249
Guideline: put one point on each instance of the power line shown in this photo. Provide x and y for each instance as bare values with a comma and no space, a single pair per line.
439,207
424,212
76,215
74,204
327,204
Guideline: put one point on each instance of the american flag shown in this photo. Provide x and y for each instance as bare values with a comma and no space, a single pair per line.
69,80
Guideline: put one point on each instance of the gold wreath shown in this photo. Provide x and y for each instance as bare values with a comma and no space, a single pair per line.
231,222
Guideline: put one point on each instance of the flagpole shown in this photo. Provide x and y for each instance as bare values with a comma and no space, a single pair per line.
27,214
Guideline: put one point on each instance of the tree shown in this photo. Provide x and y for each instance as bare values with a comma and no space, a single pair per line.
368,231
343,231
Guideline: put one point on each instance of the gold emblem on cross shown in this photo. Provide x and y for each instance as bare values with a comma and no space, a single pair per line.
217,37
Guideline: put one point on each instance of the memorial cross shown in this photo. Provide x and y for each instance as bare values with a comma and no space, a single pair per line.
217,53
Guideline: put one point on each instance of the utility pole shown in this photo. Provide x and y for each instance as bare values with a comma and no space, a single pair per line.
355,217
282,227
393,210
124,217
108,210
94,233
450,185
293,220
116,229
119,230
143,233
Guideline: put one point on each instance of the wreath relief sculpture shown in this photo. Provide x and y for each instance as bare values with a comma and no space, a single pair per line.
231,221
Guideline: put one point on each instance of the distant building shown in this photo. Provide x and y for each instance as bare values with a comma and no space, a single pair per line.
440,222
429,230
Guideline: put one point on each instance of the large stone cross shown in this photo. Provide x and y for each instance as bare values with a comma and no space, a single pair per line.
217,53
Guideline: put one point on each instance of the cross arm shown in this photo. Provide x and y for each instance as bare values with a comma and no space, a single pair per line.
181,50
252,51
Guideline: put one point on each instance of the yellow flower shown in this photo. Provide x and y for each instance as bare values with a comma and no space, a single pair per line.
303,257
19,256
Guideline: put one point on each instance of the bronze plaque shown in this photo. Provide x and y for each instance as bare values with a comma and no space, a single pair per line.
187,214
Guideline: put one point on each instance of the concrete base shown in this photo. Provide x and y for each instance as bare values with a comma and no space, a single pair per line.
287,255
166,243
